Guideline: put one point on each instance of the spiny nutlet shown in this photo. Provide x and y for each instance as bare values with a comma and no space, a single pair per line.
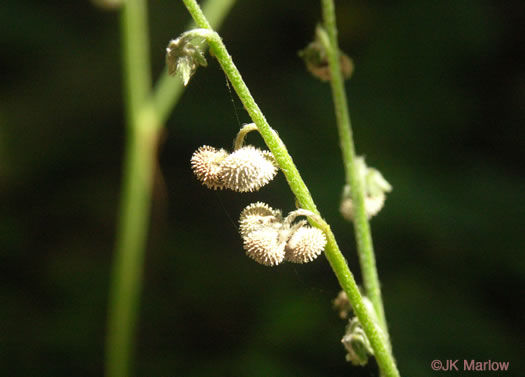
247,169
263,247
258,215
305,244
206,165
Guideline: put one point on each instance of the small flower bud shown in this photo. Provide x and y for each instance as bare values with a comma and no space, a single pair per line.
258,215
247,169
305,244
206,165
263,246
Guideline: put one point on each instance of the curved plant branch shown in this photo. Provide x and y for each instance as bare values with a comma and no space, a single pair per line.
365,247
372,329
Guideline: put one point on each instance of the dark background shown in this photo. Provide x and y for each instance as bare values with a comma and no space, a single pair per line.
438,105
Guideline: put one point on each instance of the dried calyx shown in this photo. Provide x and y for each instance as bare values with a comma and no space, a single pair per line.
341,304
269,239
375,187
316,59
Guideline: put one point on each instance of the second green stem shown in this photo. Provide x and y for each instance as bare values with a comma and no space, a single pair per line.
363,235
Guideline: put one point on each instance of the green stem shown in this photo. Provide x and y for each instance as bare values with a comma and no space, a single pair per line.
338,263
139,166
365,247
146,113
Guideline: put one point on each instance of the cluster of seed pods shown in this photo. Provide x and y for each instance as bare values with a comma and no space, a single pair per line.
270,240
246,169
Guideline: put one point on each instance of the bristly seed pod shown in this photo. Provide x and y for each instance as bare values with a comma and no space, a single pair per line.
206,164
305,244
258,215
263,247
247,169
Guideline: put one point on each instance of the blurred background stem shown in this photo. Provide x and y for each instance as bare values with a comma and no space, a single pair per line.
139,160
146,113
363,234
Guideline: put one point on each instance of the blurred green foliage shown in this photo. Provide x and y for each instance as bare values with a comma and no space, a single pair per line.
438,105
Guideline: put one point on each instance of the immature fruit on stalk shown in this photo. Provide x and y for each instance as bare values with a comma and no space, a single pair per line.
372,206
206,165
375,187
247,169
